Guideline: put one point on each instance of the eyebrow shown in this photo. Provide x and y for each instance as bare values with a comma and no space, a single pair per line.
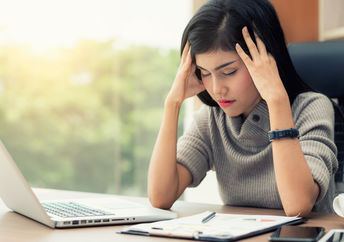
218,67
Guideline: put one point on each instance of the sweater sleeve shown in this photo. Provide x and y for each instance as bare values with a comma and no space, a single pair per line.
314,118
193,148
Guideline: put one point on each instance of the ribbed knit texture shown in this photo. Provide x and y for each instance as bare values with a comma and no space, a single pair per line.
241,154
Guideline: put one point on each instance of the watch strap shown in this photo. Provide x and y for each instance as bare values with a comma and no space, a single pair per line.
283,133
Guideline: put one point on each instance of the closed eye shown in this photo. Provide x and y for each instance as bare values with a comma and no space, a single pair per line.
229,73
205,75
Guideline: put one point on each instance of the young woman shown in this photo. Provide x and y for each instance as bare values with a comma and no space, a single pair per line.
265,133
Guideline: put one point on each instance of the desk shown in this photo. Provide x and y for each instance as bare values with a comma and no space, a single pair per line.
15,227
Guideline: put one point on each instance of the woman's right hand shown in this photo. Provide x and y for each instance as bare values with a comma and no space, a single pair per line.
167,179
186,84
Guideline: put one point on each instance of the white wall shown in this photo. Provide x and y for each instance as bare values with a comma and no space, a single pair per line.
206,192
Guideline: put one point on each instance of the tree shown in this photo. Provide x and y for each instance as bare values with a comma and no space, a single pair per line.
84,118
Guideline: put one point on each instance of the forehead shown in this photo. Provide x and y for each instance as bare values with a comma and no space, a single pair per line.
212,59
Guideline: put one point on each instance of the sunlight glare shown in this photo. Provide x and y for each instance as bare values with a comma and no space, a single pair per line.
50,23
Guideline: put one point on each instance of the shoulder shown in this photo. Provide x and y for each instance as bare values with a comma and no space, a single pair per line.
314,103
309,97
313,111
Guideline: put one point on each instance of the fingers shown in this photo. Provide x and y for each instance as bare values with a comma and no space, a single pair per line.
185,51
250,44
258,50
272,60
245,58
188,60
186,66
261,46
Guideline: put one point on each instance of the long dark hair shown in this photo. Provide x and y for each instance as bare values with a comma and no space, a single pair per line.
218,24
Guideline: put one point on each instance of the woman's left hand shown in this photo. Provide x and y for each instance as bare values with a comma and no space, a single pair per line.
262,68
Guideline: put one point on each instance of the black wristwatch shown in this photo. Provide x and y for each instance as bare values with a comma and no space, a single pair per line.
283,133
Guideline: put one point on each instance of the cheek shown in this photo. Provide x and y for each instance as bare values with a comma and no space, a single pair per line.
207,84
245,80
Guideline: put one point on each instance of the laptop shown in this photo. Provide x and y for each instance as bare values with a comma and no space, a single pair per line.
18,196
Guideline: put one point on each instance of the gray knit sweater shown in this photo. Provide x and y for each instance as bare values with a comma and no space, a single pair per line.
241,154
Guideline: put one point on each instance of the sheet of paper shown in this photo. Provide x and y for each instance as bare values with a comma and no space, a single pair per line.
229,225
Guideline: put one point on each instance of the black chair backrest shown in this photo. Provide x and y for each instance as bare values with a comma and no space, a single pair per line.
321,66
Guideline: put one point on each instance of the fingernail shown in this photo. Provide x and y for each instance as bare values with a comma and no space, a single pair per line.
245,29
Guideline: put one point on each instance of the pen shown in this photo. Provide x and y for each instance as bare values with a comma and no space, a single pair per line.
209,217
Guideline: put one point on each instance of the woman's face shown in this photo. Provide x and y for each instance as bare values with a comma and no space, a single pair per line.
227,80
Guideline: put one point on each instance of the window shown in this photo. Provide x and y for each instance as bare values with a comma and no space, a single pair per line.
82,85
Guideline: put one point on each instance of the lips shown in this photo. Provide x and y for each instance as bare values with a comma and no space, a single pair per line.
225,102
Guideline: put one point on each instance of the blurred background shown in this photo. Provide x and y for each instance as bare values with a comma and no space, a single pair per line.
82,85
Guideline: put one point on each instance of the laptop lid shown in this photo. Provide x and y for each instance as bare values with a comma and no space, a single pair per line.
18,196
16,192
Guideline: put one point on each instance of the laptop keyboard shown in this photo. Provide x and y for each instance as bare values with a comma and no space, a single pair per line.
72,209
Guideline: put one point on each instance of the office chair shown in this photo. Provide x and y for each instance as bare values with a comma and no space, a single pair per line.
321,66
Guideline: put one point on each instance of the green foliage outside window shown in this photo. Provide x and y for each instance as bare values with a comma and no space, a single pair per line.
84,118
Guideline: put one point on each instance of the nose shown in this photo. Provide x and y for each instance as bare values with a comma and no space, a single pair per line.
219,89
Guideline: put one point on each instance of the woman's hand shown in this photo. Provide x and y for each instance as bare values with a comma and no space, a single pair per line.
262,68
186,83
